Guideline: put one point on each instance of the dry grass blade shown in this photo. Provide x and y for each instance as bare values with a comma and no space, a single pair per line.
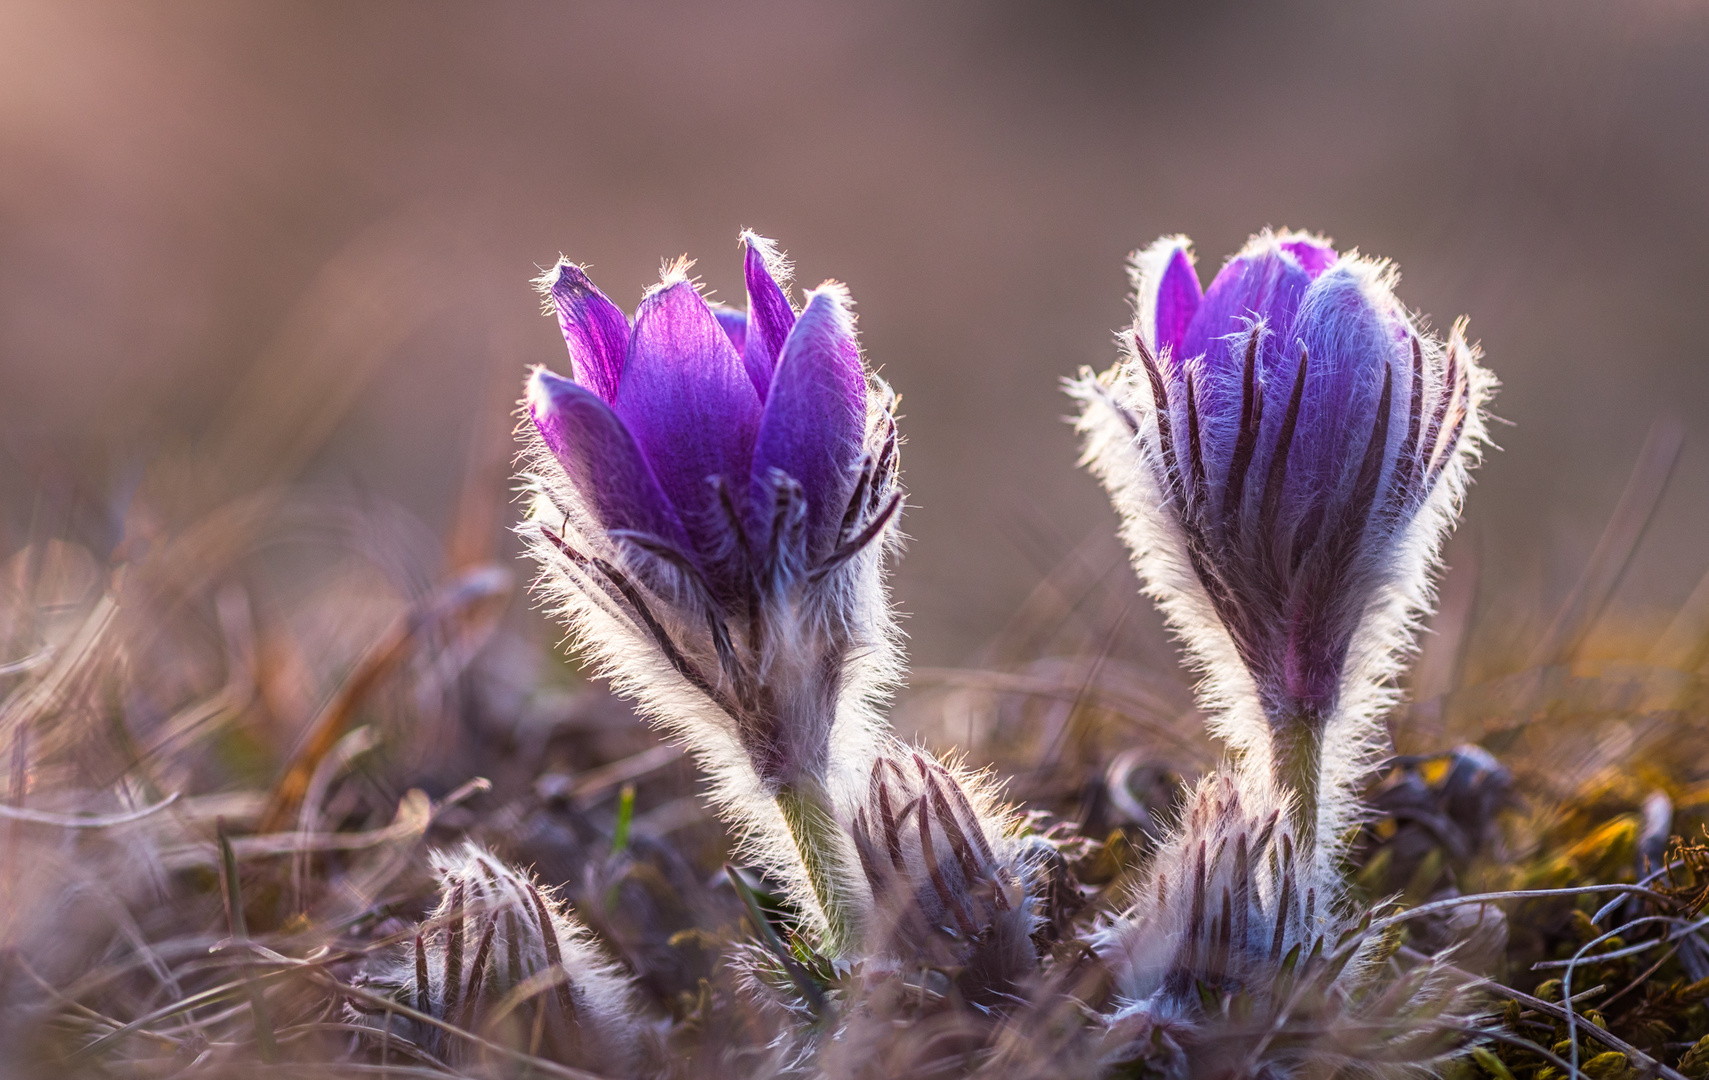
27,664
35,700
188,1003
1055,740
363,887
360,308
1141,712
349,748
599,781
84,821
232,888
414,815
528,1061
1683,644
1069,582
1608,562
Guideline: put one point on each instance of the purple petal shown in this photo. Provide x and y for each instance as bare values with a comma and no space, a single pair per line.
1347,325
1178,296
815,420
1259,284
1314,255
735,324
687,399
769,315
595,329
600,456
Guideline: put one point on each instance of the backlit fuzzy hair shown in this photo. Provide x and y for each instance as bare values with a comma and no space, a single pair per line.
1177,475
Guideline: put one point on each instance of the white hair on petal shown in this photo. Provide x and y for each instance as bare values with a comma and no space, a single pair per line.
1387,635
1120,457
544,283
777,264
671,272
1233,909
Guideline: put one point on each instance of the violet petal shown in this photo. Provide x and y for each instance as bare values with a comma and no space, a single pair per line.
1256,284
687,400
1178,296
1260,284
734,322
595,329
815,418
1348,326
1314,255
769,316
600,456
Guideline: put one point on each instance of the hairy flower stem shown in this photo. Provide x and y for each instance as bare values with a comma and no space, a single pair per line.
1296,760
806,810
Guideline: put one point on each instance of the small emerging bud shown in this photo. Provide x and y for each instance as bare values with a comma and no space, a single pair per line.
1227,899
500,957
1288,449
950,883
1245,953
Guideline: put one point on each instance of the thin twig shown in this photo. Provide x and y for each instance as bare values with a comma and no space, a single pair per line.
1608,562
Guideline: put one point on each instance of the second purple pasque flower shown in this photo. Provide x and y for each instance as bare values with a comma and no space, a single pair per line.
1288,448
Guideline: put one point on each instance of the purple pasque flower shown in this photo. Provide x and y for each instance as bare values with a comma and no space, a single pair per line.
1221,905
1288,448
714,491
729,459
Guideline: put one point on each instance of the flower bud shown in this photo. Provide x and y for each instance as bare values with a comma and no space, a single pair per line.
1288,449
1245,953
1225,901
950,882
501,957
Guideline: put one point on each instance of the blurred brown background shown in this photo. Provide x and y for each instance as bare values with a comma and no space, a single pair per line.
293,240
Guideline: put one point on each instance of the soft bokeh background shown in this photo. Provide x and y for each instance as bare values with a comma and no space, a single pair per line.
250,242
